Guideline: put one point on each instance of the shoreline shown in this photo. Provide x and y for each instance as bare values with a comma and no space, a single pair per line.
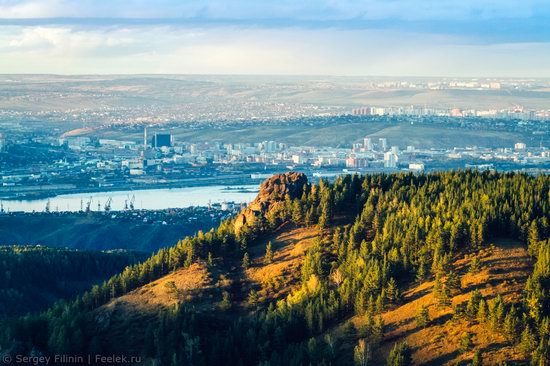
226,181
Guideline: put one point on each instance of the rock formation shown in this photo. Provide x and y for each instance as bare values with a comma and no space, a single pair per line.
272,194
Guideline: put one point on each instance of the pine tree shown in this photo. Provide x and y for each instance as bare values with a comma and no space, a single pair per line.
297,214
482,311
473,304
465,342
246,261
324,219
380,303
528,341
422,271
361,353
511,324
441,294
253,298
422,316
268,253
453,281
533,238
392,292
477,360
400,355
225,304
475,266
497,312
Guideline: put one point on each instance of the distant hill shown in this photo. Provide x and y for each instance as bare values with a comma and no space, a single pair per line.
342,131
436,269
96,231
32,278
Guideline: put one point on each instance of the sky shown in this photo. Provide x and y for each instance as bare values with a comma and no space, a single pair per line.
461,38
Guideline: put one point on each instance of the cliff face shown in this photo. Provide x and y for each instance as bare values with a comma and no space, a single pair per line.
272,194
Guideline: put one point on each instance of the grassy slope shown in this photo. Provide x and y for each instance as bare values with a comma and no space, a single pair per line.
505,267
201,287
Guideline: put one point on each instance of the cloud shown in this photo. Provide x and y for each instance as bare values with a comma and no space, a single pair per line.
234,50
344,37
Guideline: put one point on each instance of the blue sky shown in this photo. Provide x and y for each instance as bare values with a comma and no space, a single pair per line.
333,37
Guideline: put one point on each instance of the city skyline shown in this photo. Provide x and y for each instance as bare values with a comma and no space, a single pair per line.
397,38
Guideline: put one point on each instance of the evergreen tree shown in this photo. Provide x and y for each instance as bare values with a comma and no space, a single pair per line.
392,292
422,316
225,304
528,341
246,261
268,253
477,360
453,281
361,353
253,298
533,238
400,355
465,342
475,266
482,311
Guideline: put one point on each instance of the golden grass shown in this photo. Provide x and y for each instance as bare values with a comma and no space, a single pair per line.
505,267
278,277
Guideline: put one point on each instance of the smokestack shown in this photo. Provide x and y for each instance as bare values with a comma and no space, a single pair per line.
145,138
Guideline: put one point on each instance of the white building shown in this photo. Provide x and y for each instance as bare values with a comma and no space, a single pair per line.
390,160
367,143
416,167
297,159
382,144
520,146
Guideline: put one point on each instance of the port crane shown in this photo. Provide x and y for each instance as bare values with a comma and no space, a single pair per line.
108,204
132,200
89,205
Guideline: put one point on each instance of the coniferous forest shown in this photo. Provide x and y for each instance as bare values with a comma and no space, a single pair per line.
33,277
372,239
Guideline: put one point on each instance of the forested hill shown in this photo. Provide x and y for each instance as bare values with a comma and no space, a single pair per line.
441,268
34,277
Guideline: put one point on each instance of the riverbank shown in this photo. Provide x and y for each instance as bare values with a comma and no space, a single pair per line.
146,199
8,193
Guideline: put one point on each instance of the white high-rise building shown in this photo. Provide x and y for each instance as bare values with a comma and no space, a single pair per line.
390,160
382,144
367,144
520,146
271,146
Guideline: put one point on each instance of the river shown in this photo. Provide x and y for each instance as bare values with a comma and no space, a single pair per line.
149,199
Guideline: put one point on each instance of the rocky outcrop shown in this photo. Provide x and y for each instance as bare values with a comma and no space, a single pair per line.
272,194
